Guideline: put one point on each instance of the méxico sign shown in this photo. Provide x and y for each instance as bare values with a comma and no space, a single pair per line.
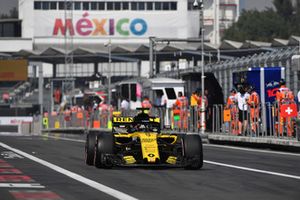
87,26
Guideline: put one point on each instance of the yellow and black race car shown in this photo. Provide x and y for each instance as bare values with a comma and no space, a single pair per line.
138,141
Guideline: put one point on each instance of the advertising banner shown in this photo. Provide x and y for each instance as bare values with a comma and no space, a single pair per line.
13,70
15,120
110,24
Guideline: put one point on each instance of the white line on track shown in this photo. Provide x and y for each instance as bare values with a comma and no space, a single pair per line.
66,139
253,170
21,185
252,150
98,186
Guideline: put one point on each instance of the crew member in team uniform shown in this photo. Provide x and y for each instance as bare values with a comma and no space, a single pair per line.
284,96
253,103
180,107
232,106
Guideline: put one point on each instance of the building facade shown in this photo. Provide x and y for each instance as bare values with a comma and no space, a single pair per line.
89,24
122,21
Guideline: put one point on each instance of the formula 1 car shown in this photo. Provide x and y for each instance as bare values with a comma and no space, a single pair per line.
138,141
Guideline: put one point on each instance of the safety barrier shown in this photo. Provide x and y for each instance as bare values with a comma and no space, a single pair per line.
66,120
263,120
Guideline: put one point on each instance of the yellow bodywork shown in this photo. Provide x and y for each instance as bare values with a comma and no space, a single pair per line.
149,146
129,159
171,160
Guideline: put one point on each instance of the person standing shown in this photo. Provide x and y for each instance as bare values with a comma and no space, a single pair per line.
242,96
5,97
231,105
124,105
146,103
57,96
253,103
194,108
284,97
181,105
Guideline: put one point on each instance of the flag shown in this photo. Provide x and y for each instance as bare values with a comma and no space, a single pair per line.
288,110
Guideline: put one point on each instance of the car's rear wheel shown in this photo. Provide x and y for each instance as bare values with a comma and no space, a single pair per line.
104,150
193,152
90,148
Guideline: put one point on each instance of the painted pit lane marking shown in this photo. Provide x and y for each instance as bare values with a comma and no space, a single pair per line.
252,150
98,186
32,195
4,164
252,169
10,171
10,155
21,185
15,179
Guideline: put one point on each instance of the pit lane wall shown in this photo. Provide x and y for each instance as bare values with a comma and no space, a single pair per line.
220,127
19,125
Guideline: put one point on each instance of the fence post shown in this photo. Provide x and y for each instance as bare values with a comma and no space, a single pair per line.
298,129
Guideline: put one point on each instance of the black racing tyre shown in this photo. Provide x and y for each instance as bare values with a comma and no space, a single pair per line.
193,152
90,144
104,145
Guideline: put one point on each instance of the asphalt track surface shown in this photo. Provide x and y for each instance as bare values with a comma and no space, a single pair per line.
52,168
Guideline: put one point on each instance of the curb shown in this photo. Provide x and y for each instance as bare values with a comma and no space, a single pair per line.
266,142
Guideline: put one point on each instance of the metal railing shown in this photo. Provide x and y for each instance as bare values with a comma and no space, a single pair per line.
225,121
263,120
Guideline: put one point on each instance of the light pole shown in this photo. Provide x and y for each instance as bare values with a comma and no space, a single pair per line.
200,6
109,72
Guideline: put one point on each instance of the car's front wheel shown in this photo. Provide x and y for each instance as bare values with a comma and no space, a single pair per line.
193,152
104,149
90,148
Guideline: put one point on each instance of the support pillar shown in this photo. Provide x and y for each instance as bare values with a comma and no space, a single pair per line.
96,68
157,67
54,71
194,62
139,68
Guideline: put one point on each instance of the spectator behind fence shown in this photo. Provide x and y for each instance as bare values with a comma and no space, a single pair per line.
180,111
242,96
57,96
209,106
146,102
284,96
160,100
125,104
253,103
5,97
231,105
195,98
163,101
